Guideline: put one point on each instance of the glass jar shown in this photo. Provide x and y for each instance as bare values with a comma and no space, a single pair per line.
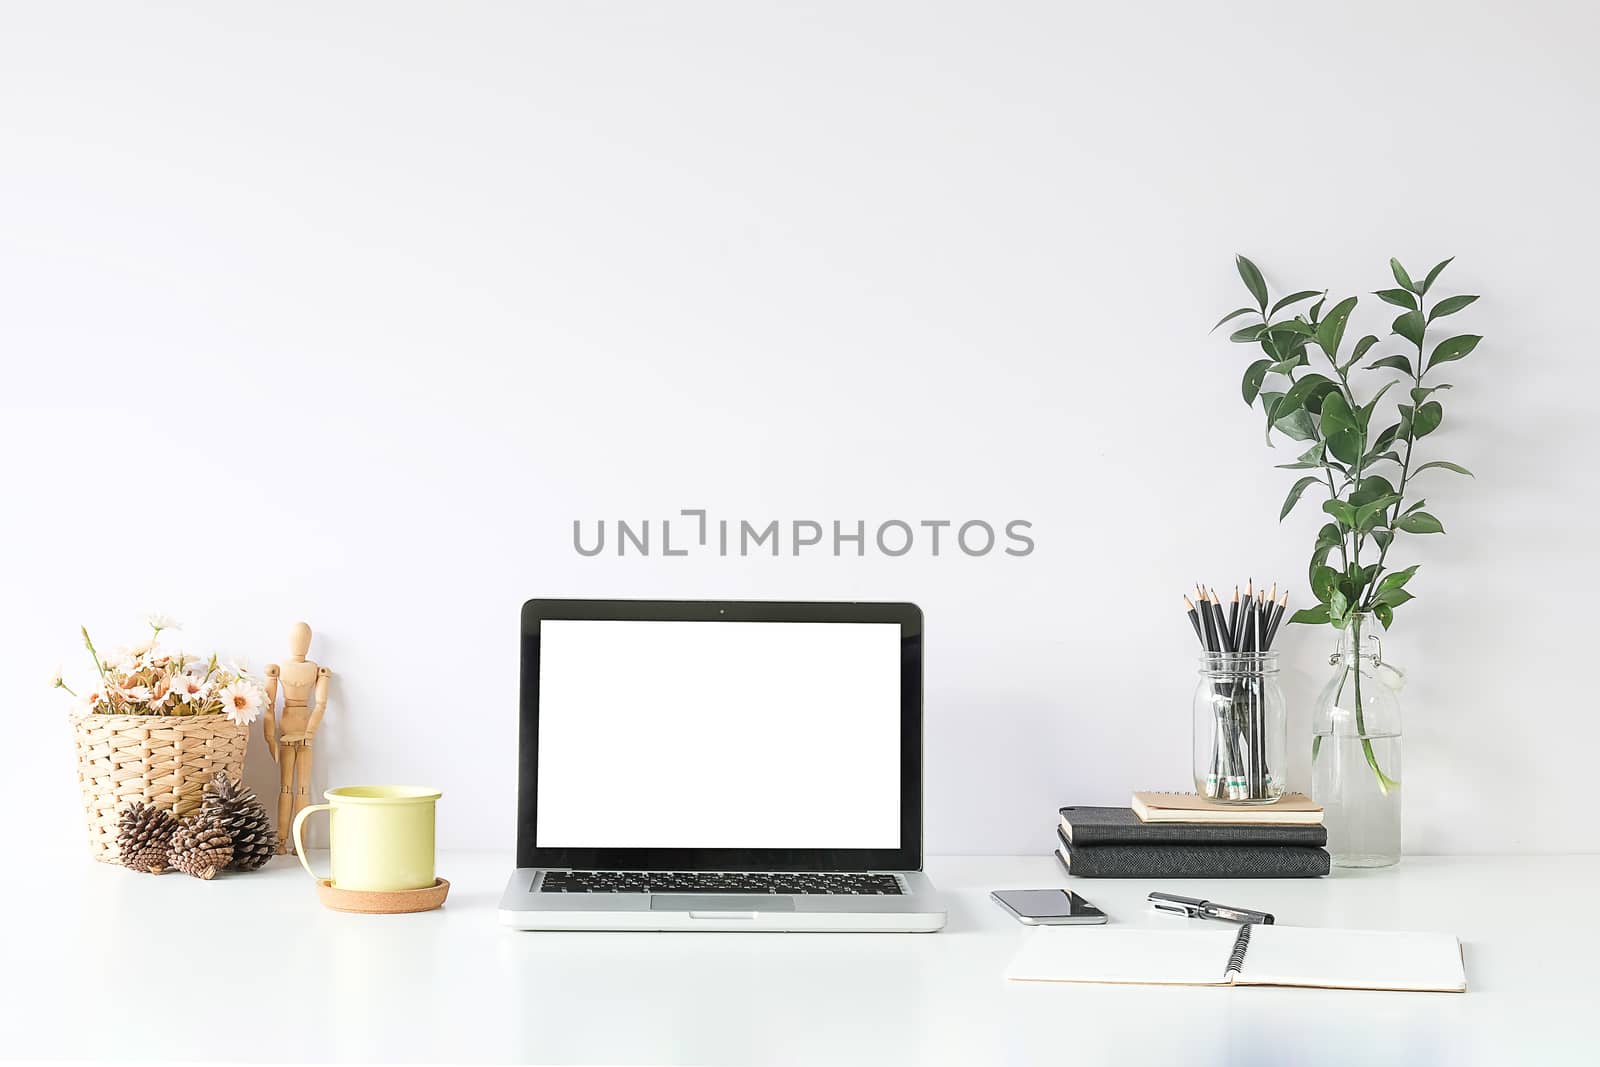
1240,728
1355,751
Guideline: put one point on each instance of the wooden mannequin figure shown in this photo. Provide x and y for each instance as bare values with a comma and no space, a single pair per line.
305,698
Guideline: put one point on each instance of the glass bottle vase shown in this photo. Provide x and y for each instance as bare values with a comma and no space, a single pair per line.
1355,751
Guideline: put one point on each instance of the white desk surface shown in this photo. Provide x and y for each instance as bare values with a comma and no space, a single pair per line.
102,962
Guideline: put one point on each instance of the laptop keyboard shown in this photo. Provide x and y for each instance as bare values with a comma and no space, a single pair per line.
848,883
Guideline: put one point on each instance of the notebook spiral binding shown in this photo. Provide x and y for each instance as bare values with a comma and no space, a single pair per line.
1241,945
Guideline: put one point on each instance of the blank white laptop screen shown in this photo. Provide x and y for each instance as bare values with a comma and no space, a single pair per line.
664,734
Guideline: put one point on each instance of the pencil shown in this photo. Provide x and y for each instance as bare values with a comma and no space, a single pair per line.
1230,637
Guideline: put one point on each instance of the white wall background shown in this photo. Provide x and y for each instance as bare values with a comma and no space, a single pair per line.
344,312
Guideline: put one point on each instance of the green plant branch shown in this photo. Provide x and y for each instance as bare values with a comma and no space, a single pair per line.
1405,465
1360,502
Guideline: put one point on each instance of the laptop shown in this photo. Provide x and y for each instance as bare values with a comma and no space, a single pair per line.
698,765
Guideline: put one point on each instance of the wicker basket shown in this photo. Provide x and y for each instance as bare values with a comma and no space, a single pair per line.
164,760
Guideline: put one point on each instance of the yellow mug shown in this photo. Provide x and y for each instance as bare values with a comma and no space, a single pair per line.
380,837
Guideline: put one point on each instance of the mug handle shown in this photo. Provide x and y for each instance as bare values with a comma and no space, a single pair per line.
299,846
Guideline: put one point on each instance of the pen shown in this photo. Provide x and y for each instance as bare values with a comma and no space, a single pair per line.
1206,909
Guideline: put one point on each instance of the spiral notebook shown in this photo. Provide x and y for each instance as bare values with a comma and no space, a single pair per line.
1245,955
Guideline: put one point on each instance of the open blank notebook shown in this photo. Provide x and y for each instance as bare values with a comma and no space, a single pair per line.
1246,955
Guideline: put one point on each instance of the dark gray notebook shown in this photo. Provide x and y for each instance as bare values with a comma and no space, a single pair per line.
1192,861
1120,826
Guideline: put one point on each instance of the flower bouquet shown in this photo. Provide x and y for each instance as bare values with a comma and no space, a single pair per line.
154,724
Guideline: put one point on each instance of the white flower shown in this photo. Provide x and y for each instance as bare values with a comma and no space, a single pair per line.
241,702
161,690
134,694
189,687
92,698
159,622
56,681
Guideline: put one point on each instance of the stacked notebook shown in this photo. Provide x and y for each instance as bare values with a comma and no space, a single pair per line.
1181,835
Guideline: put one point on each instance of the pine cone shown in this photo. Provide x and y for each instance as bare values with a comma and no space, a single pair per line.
144,834
200,848
233,807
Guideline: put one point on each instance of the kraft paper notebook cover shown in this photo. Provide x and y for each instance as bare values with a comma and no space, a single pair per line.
1292,808
1246,955
1092,826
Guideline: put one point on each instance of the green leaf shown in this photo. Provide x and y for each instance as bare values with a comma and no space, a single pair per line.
1293,298
1453,348
1418,395
1397,579
1319,557
1294,495
1368,514
1419,522
1254,375
1293,327
1375,486
1385,615
1399,363
1444,465
1329,535
1230,316
1338,605
1400,298
1410,326
1296,425
1427,283
1300,393
1312,459
1316,616
1269,405
1401,276
1330,331
1252,280
1360,350
1339,428
1427,418
1247,335
1393,598
1383,537
1316,309
1341,511
1449,306
1323,580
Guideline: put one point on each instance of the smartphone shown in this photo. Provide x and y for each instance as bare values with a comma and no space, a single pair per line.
1048,907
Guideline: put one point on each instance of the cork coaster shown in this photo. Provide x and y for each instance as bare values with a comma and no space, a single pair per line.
397,902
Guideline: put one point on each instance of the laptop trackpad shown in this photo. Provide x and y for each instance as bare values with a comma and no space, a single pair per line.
721,905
